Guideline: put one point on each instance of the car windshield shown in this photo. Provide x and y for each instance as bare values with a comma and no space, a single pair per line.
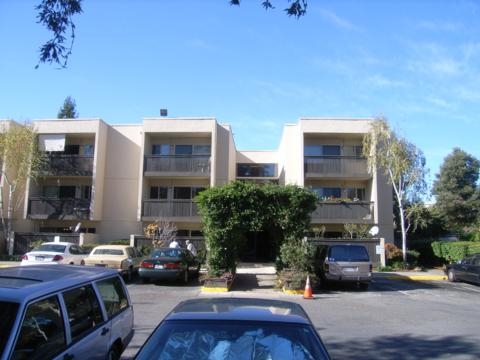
204,340
108,252
8,313
348,253
51,248
165,253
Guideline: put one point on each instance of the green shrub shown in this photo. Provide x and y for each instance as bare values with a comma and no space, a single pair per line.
453,251
298,255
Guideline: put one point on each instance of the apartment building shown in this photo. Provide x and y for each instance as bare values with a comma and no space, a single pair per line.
108,182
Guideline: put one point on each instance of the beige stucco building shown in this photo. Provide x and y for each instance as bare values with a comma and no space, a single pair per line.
110,181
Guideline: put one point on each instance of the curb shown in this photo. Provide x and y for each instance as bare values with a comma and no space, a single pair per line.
417,277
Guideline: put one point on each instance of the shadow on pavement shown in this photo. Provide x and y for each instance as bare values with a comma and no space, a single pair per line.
405,347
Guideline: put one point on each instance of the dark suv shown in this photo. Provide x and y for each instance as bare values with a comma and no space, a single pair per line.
344,263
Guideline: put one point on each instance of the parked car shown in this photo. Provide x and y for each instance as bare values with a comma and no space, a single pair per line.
169,264
63,312
55,252
344,263
234,328
124,258
467,270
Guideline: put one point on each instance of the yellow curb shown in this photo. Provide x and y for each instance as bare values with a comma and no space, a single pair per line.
214,289
292,292
417,277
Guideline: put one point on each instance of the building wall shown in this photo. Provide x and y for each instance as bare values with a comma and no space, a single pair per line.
120,186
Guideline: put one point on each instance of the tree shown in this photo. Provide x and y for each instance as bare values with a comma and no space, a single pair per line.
162,232
57,17
68,110
457,191
22,160
403,164
229,211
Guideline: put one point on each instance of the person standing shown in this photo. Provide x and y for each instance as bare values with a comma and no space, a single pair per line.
191,247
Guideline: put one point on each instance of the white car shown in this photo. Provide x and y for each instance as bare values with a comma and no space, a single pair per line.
55,253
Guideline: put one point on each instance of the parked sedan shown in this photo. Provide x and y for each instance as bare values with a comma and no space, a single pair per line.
169,264
55,253
234,328
126,259
467,270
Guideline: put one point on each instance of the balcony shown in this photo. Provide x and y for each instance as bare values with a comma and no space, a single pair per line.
336,166
169,208
189,165
344,212
67,165
55,208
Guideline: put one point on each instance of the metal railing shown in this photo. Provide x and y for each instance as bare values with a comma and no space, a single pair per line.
191,164
169,208
67,165
54,208
336,165
343,210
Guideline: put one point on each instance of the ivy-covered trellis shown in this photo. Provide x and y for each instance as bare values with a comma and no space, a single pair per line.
234,209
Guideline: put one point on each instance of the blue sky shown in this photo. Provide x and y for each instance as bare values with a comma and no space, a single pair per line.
415,62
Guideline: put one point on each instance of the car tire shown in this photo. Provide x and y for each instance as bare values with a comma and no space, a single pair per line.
113,354
451,275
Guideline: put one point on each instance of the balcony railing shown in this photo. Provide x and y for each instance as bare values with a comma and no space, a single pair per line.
344,211
54,208
169,208
335,166
67,165
185,165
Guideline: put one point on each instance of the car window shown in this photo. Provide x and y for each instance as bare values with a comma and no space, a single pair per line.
76,250
83,309
113,295
232,340
42,333
51,248
348,253
8,314
108,252
130,252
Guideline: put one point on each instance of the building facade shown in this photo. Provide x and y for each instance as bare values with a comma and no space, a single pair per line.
110,181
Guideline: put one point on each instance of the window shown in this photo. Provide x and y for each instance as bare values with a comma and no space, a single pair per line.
158,192
113,296
161,149
331,150
42,333
354,193
183,149
66,192
256,170
182,193
72,149
83,309
322,150
202,149
325,193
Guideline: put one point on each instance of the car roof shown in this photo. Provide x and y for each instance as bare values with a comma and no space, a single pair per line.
58,243
239,309
20,283
112,246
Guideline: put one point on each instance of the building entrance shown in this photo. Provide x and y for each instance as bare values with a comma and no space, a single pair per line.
260,246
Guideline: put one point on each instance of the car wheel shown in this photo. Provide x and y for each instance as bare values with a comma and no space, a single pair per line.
113,354
363,286
451,275
82,262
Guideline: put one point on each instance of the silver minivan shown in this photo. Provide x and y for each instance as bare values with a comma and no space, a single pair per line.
63,312
344,263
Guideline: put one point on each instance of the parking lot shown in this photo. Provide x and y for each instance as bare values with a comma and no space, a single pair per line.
395,319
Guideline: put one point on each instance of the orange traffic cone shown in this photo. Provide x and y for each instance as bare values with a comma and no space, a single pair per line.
308,289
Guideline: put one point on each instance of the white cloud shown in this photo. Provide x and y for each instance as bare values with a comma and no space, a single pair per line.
337,20
384,82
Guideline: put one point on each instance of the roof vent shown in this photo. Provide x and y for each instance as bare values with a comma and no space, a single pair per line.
163,112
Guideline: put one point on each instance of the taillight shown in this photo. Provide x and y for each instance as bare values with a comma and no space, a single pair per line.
57,258
172,266
146,264
24,257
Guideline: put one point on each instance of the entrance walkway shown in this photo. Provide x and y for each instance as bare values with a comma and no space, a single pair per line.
255,277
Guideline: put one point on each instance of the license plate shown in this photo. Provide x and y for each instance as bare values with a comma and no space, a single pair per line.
159,267
349,269
39,258
101,265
